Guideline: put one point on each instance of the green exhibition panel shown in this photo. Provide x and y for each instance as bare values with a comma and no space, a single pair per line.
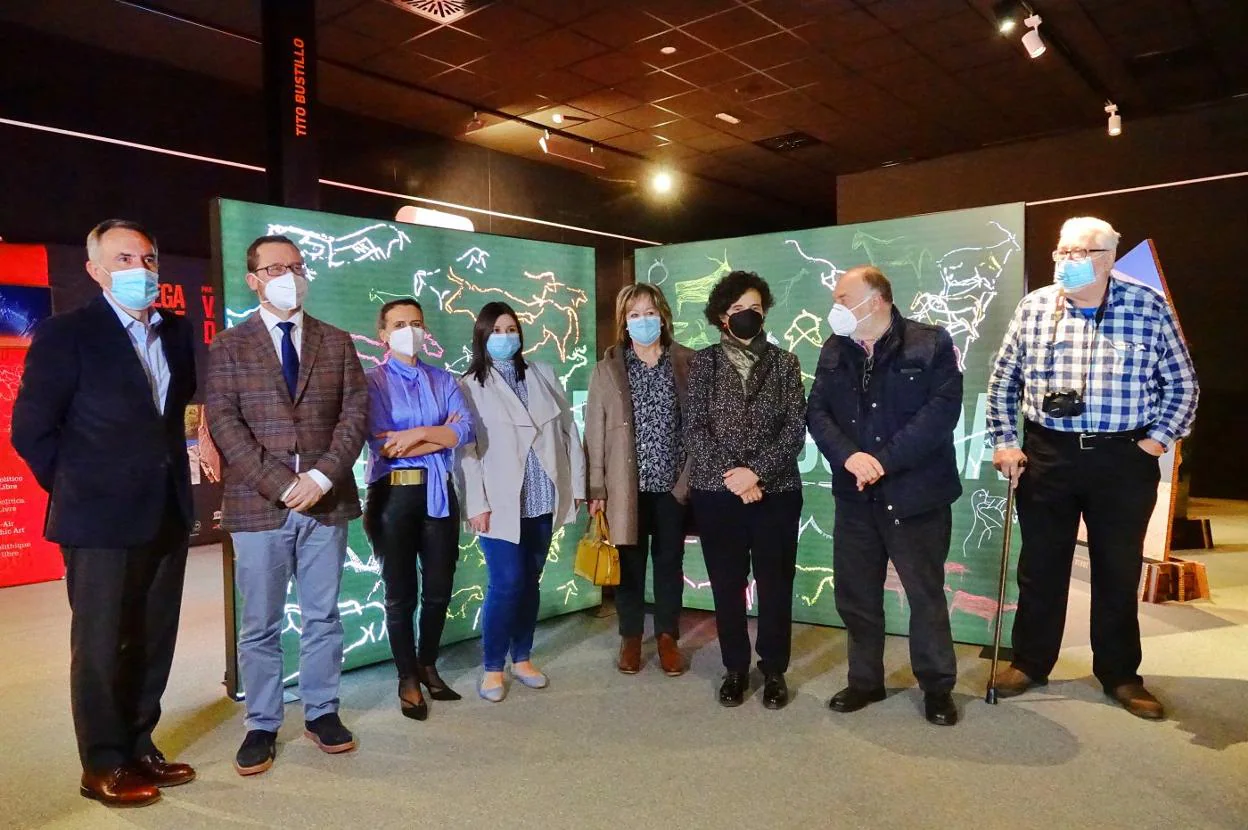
357,264
962,270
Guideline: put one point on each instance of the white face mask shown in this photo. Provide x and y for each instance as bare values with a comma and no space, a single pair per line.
407,340
842,319
286,292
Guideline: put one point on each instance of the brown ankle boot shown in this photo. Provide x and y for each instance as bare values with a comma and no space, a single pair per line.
630,655
670,658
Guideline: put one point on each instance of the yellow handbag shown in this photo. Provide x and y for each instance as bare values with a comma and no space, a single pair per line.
596,558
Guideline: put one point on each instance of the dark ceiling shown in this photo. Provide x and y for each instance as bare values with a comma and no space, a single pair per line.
870,82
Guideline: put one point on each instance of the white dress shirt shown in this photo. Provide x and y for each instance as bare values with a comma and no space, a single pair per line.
145,338
296,335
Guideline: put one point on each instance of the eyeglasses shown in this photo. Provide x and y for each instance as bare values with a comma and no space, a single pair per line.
279,268
1077,254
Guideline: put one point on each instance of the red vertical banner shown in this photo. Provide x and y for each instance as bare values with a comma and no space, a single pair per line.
25,556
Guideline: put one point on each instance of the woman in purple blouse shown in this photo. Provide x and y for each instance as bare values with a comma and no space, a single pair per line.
417,416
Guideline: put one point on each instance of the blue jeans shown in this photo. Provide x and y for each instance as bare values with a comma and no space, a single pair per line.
511,597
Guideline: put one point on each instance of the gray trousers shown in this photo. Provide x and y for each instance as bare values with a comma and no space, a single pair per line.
865,536
264,562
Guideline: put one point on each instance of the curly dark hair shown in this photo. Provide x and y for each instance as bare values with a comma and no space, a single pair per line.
730,288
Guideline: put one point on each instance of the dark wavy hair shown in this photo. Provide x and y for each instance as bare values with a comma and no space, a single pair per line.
730,288
479,367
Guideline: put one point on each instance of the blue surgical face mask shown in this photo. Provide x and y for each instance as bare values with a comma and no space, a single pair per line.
1069,275
503,346
645,330
135,288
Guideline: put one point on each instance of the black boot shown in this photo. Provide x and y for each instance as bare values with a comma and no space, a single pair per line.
411,702
438,690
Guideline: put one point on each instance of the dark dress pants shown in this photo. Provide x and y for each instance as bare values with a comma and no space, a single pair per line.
1113,486
738,538
418,554
865,536
124,604
661,536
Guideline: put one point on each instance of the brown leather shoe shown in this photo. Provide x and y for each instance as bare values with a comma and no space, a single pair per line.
670,658
1010,682
630,655
118,787
1138,701
156,770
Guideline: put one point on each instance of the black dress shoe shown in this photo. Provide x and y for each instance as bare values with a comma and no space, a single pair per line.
328,733
775,691
732,692
851,699
940,708
257,752
411,702
438,690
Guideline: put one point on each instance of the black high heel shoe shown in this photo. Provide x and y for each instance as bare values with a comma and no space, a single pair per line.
438,690
415,711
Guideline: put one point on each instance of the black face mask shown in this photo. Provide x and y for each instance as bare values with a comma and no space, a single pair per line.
745,324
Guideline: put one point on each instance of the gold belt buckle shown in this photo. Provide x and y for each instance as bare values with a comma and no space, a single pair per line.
400,478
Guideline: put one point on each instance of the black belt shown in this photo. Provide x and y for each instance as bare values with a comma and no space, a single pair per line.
1086,440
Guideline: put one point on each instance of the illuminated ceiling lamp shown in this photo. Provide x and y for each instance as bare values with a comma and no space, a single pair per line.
1115,120
1008,13
662,182
1032,41
544,141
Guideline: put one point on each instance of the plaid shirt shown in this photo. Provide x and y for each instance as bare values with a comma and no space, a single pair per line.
1132,367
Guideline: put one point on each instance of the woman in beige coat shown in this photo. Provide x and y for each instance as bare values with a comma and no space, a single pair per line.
637,467
524,473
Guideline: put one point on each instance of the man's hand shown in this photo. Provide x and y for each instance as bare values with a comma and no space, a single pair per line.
400,442
1010,462
480,523
865,468
1152,446
305,494
597,506
752,495
740,479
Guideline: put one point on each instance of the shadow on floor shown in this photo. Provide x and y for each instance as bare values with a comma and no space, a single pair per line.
1210,709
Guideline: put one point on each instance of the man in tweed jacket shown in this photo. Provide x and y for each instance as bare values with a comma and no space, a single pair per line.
287,406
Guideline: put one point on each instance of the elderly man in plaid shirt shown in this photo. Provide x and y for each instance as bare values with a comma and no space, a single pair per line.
1105,385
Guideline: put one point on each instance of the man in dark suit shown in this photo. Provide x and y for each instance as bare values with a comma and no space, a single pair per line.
99,419
287,406
886,397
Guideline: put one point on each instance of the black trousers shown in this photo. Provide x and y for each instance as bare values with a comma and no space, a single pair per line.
124,604
738,538
661,536
418,554
1113,486
865,536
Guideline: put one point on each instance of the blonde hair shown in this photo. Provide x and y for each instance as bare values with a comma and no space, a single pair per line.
630,294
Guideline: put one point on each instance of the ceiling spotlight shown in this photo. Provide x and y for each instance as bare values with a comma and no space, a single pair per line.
668,50
475,124
1115,120
1008,14
1031,40
557,118
731,119
662,182
544,141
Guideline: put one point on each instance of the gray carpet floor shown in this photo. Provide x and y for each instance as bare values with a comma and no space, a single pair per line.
602,750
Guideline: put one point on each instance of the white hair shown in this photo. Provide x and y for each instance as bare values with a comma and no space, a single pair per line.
1100,230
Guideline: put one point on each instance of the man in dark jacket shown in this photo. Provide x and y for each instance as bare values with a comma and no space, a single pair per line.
886,397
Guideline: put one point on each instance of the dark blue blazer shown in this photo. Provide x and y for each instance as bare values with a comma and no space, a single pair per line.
904,417
85,422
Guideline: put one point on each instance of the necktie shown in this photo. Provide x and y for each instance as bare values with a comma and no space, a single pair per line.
290,357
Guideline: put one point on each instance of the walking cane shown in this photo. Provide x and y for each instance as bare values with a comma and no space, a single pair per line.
991,695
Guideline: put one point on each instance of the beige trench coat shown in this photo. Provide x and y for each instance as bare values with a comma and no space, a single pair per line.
609,446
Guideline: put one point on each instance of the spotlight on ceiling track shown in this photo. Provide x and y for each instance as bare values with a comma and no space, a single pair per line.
1115,120
662,182
544,141
557,118
475,124
1031,40
1008,14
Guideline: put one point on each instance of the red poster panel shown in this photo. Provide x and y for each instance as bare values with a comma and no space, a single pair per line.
24,554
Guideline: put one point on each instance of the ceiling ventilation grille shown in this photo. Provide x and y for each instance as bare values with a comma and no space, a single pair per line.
439,11
788,141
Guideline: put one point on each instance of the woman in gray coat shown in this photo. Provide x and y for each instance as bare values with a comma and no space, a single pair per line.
638,467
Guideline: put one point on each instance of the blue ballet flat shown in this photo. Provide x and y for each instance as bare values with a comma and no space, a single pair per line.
533,681
493,695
